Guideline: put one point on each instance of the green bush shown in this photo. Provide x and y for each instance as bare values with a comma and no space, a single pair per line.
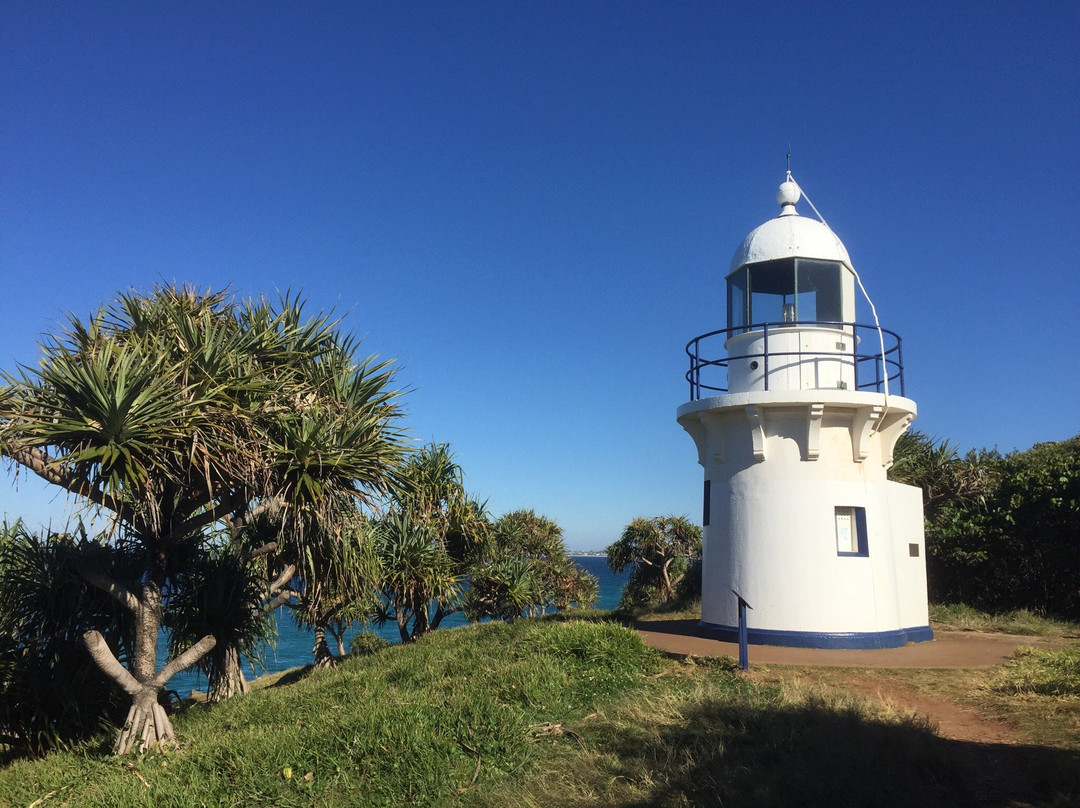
367,642
51,692
1002,533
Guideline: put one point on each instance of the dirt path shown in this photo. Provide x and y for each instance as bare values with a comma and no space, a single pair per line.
948,649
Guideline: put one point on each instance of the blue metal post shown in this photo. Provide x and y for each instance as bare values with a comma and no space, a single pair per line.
744,653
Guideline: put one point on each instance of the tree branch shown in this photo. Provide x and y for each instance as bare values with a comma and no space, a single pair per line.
184,661
212,514
286,575
227,506
268,505
108,663
440,613
266,549
281,599
120,593
37,461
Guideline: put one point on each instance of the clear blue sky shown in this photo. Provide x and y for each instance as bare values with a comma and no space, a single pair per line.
532,206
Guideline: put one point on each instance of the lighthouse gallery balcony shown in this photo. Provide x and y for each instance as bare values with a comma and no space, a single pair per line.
797,355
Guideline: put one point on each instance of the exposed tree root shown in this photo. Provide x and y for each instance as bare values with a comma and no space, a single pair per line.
145,729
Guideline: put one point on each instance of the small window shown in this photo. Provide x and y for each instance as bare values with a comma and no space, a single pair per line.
913,550
705,507
851,531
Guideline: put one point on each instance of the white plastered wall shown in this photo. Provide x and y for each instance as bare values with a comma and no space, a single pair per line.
772,536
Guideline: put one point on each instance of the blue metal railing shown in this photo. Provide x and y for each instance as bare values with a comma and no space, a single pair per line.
871,366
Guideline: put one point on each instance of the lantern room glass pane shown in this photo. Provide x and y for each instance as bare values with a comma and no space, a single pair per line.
772,291
736,299
818,287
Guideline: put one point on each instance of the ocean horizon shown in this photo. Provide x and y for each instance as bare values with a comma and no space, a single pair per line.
294,644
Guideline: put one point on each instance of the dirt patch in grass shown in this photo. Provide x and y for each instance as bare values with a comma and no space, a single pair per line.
951,720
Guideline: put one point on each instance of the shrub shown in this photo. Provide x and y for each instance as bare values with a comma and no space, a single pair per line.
367,642
51,692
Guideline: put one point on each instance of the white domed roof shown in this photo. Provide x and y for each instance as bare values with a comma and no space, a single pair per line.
790,235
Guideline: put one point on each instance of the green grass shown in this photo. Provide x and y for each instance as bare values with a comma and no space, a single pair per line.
552,712
705,735
961,617
1038,690
1042,672
690,611
407,725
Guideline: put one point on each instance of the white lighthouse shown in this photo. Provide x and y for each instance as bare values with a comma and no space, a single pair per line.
795,409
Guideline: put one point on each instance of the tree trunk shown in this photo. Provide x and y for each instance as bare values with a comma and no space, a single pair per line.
441,613
323,657
147,727
420,621
337,629
669,590
231,682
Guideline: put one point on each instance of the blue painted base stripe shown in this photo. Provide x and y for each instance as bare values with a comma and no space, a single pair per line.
858,640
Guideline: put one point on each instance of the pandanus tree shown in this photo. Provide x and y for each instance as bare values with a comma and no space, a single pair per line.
945,477
427,543
659,551
527,571
416,576
218,593
177,411
335,577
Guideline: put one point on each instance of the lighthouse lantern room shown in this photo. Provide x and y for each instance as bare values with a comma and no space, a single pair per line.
795,410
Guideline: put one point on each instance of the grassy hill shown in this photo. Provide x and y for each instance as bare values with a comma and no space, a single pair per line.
562,712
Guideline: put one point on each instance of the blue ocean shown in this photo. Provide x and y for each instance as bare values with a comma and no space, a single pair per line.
294,644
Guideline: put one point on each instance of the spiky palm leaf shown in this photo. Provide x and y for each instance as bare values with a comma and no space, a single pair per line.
502,589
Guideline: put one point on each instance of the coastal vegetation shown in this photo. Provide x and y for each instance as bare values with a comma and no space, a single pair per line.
245,457
186,417
1002,531
663,554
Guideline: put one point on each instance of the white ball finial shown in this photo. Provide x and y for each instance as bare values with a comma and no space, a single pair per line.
788,194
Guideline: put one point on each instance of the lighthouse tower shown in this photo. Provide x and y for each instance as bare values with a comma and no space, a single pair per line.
795,409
